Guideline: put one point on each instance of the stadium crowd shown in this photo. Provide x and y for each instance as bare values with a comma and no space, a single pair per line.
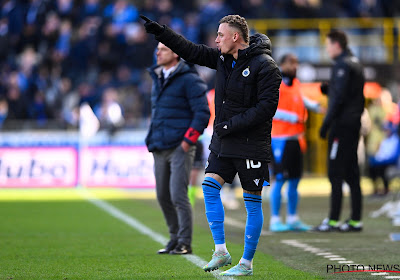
56,55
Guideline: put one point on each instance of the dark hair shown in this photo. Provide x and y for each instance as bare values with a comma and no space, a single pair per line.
285,57
339,37
239,23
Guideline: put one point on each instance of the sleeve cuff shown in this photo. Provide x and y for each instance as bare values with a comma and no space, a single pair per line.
192,135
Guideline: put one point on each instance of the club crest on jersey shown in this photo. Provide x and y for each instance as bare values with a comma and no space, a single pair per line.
246,72
340,72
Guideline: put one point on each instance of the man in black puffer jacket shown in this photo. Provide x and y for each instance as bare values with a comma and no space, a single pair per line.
246,98
179,115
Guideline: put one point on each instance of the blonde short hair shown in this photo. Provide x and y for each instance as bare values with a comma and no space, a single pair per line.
239,23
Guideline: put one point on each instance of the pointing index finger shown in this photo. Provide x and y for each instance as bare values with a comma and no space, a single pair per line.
146,19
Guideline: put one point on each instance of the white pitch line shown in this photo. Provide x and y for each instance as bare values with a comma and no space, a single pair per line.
313,250
345,262
331,256
132,222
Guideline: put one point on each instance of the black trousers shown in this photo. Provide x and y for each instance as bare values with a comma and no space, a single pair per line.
343,167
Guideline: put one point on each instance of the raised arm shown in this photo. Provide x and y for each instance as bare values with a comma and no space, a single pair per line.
191,52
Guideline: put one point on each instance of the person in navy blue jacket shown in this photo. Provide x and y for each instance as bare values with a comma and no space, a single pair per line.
179,113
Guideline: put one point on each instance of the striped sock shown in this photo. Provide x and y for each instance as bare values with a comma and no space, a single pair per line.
255,220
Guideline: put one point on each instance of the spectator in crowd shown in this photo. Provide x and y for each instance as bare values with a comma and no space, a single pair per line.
17,110
34,18
4,40
118,15
109,112
210,14
343,120
149,9
386,156
302,8
68,102
91,8
82,39
39,109
3,109
256,9
66,9
365,8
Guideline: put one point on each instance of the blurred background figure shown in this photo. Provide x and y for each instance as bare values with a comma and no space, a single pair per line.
385,157
228,195
343,121
288,146
109,112
197,168
3,110
366,125
382,154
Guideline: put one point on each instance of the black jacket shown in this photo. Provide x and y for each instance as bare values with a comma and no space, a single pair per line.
179,107
246,96
346,96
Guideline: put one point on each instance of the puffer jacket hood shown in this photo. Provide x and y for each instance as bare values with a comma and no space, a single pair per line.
259,44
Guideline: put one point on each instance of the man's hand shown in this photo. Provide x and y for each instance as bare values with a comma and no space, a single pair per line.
185,146
222,129
323,131
152,26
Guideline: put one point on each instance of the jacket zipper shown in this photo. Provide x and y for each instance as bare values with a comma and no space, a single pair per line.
223,102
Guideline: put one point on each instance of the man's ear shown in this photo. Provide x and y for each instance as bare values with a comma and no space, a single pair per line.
235,36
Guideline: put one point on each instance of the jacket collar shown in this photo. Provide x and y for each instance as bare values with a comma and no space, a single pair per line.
155,70
344,53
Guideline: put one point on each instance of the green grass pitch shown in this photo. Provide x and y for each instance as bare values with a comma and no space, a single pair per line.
74,239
